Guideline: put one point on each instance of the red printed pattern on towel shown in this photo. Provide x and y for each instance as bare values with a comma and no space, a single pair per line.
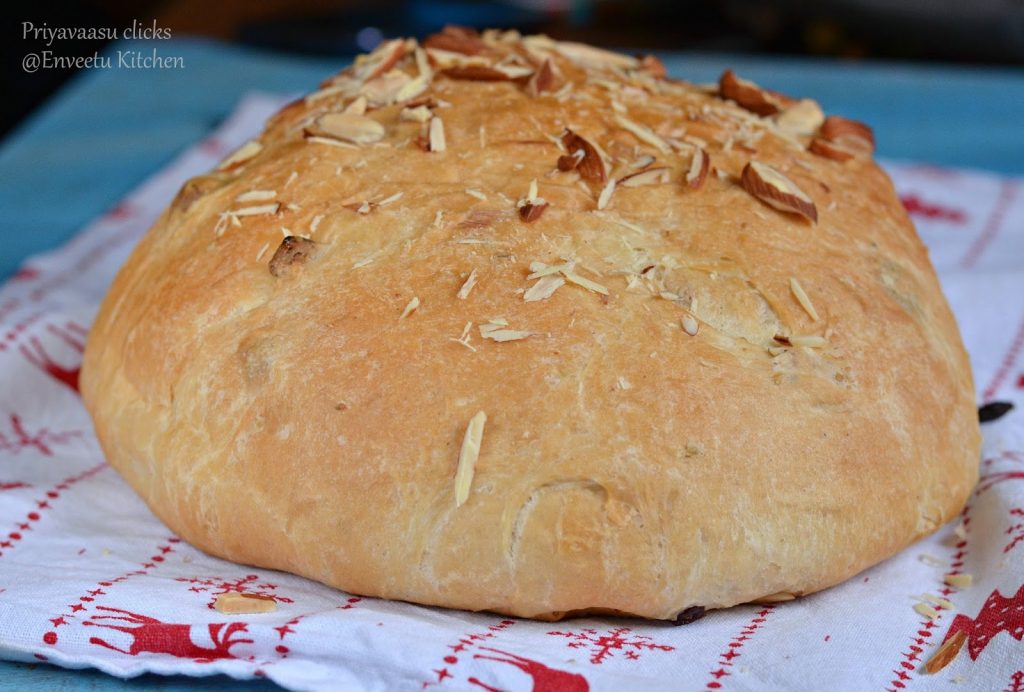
544,678
916,206
990,479
287,628
42,439
15,332
72,335
1007,194
1006,365
998,614
21,527
247,585
1016,530
149,635
726,660
605,646
462,645
912,656
88,598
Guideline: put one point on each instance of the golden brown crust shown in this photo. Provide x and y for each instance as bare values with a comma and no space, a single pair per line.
666,424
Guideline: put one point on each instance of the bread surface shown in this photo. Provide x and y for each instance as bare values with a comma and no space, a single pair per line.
287,367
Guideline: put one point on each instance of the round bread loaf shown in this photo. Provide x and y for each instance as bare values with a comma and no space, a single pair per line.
499,323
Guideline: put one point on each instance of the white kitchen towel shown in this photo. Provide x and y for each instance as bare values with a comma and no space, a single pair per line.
88,577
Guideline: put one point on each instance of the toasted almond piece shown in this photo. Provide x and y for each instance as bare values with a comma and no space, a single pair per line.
532,211
642,162
926,610
651,176
584,282
591,165
690,324
256,196
464,341
391,199
531,195
383,91
329,141
436,141
938,601
410,307
807,341
643,133
495,332
475,73
468,455
257,210
776,190
543,80
346,87
440,59
853,133
606,195
234,603
569,162
350,127
292,250
654,66
419,114
961,531
383,58
502,335
538,46
467,286
830,150
357,107
802,298
241,155
543,289
750,96
516,72
589,56
699,165
423,63
413,88
958,581
802,118
456,39
539,269
946,653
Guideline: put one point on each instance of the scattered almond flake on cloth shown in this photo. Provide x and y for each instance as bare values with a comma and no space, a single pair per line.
89,578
